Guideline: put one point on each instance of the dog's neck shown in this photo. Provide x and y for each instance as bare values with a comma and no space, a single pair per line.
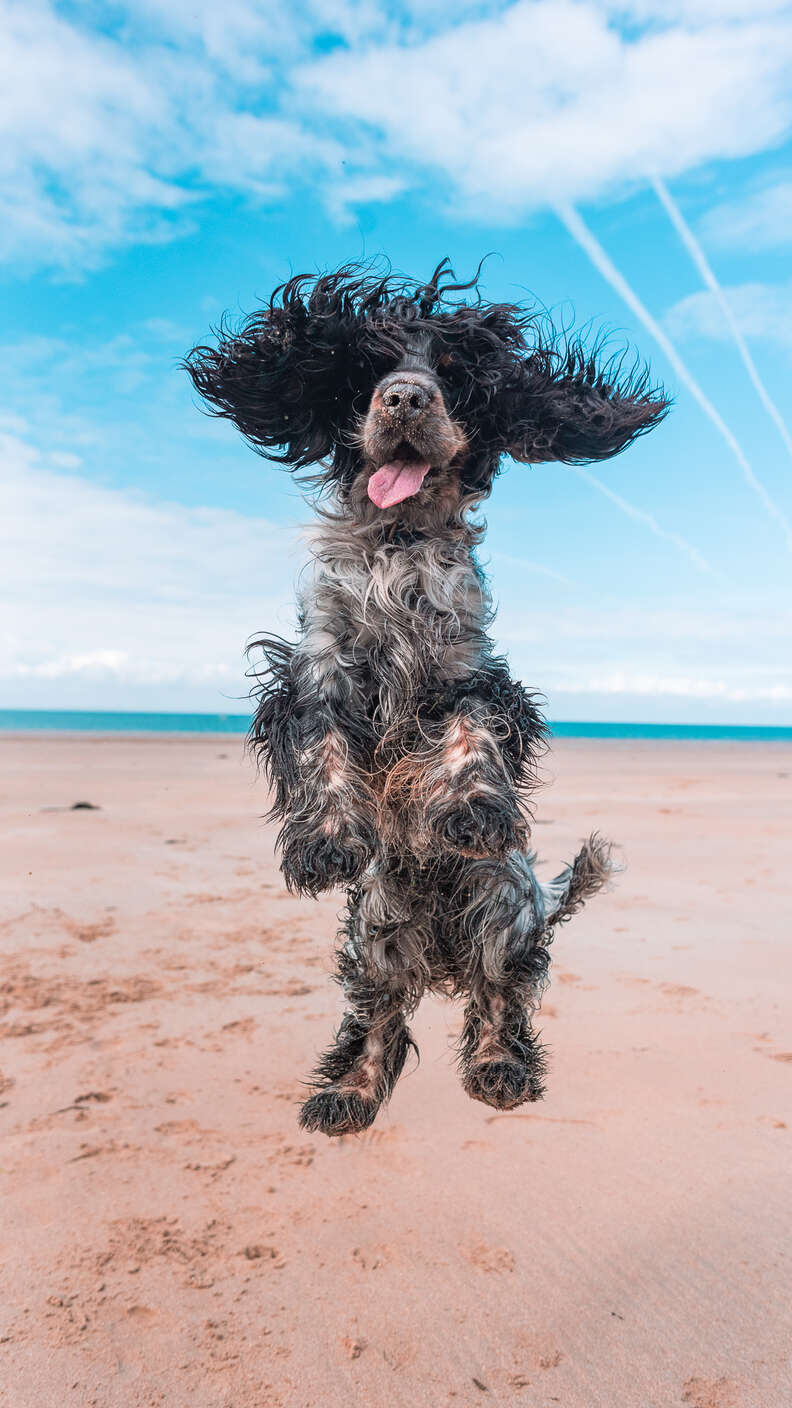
401,609
342,535
440,518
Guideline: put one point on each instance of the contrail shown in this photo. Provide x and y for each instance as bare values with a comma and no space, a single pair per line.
580,232
526,566
641,516
700,260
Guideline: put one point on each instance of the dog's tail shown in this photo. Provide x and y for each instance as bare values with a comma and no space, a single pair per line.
589,872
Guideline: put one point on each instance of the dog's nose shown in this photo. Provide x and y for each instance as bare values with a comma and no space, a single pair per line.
407,399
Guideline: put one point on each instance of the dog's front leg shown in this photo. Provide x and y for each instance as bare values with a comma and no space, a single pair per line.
329,832
314,750
382,966
470,802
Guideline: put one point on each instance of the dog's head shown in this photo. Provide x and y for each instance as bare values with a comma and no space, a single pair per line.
405,397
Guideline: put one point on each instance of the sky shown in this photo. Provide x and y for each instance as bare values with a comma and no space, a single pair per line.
627,165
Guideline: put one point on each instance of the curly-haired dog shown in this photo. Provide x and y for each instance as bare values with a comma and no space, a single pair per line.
399,749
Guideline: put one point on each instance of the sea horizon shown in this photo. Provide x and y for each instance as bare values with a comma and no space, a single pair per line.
175,722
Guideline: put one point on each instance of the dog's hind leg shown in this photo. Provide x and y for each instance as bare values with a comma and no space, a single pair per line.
501,939
504,925
382,974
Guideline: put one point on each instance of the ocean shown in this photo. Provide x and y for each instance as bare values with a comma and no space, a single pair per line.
90,721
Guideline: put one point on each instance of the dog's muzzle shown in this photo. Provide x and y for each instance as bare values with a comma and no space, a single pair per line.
403,406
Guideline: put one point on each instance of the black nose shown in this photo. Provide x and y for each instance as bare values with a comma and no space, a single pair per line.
406,399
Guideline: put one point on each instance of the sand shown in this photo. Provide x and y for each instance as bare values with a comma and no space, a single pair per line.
169,1236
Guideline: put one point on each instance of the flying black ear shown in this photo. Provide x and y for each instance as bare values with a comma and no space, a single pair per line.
283,376
568,404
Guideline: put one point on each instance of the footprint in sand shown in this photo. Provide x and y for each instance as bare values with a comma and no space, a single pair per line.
371,1258
268,1255
711,1393
293,1155
141,1312
495,1260
87,932
398,1354
353,1346
537,1351
242,1026
292,988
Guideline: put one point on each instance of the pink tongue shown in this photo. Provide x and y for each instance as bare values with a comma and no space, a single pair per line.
396,481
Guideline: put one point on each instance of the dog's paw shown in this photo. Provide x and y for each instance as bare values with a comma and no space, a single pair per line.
310,867
480,828
503,1084
332,1111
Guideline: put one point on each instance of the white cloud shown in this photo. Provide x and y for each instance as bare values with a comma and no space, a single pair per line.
100,586
350,192
115,135
109,139
76,124
549,101
759,310
760,221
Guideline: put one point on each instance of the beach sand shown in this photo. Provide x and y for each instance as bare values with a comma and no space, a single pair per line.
168,1234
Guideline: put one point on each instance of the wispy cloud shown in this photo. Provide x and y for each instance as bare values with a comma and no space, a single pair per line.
587,240
524,564
640,515
761,220
701,262
758,310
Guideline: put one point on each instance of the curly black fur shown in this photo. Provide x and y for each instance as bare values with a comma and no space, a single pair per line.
400,754
297,376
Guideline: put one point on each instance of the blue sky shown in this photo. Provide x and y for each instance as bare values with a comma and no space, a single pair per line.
163,163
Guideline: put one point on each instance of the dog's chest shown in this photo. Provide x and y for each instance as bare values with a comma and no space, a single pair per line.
413,615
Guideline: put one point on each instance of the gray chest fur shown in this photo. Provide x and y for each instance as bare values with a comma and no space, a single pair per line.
392,617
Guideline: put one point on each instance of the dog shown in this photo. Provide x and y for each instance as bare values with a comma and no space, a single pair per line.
400,752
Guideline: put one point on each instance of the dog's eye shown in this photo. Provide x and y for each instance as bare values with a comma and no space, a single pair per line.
447,363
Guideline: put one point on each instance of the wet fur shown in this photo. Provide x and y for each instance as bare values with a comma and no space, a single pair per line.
401,754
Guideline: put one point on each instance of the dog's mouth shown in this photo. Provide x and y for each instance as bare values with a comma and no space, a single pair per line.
399,478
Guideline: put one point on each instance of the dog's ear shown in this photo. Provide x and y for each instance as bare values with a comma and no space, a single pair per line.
283,375
568,404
